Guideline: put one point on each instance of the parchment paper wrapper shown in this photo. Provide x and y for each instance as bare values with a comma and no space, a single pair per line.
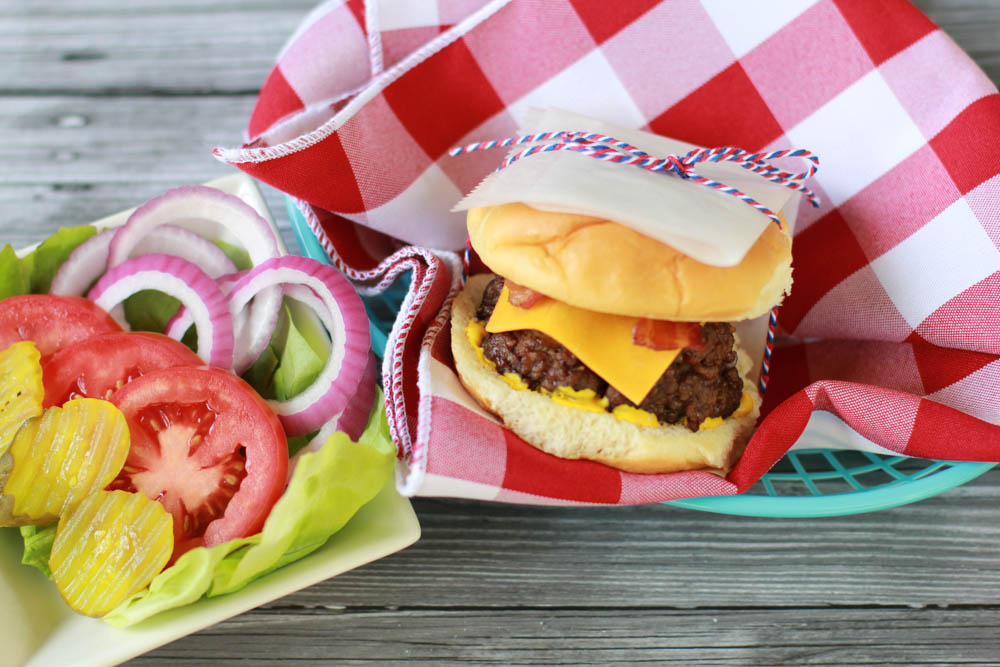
710,226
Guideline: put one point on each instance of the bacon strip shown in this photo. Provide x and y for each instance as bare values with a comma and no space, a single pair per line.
666,335
521,296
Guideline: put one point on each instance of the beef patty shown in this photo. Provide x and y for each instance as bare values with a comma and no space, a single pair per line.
699,383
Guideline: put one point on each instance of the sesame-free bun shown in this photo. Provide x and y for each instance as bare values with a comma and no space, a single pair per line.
603,266
573,433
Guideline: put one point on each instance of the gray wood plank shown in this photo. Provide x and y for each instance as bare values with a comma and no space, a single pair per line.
67,160
106,140
942,551
74,46
973,24
571,637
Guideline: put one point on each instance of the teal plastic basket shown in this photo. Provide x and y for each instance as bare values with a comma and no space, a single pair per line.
805,483
833,482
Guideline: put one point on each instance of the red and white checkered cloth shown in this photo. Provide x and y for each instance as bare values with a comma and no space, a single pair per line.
893,323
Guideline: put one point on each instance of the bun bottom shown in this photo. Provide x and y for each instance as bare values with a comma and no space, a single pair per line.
573,433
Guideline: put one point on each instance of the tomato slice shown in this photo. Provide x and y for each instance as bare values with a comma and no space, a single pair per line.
206,446
98,366
52,322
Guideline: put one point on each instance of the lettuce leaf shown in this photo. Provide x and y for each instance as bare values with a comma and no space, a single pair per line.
300,362
150,310
37,546
183,583
259,375
239,256
326,489
52,252
15,275
294,358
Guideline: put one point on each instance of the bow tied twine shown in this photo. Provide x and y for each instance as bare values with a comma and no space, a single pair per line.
609,149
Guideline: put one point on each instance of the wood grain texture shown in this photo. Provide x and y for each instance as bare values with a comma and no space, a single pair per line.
616,558
840,637
180,47
79,158
104,103
974,25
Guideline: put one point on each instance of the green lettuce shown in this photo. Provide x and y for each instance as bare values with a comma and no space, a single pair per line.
292,360
326,489
15,275
52,252
239,257
38,546
302,358
150,310
33,273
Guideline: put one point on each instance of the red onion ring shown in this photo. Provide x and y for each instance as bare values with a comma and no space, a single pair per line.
90,259
200,206
184,281
354,418
342,314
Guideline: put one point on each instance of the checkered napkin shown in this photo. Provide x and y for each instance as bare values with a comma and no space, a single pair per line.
893,324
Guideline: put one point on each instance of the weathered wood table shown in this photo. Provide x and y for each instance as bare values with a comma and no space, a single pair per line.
105,103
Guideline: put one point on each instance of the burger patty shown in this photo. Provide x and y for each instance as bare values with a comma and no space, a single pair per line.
699,383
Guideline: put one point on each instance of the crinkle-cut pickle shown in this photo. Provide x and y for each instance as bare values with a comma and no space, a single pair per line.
108,549
63,456
21,389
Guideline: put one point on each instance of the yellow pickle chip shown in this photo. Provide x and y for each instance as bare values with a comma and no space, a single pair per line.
21,389
109,548
59,458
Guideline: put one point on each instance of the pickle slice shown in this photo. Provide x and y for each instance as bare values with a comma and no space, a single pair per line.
21,389
61,457
109,548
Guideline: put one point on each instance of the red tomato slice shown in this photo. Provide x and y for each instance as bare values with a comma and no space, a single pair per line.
53,322
98,366
206,446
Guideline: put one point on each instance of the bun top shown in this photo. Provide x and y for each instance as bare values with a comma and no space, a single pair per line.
606,267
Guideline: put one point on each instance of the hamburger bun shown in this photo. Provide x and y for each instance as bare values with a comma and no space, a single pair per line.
606,267
574,433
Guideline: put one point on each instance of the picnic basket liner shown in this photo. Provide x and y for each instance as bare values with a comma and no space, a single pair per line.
893,323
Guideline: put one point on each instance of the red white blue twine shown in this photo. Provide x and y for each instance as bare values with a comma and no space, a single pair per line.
765,364
609,149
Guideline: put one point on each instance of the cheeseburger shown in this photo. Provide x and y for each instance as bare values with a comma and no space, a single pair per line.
592,341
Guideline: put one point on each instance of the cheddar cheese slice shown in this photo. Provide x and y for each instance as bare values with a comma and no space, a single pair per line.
603,342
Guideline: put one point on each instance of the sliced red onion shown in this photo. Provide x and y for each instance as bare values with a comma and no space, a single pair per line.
352,421
178,325
83,266
253,327
182,319
198,205
184,281
308,298
344,317
174,240
90,259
